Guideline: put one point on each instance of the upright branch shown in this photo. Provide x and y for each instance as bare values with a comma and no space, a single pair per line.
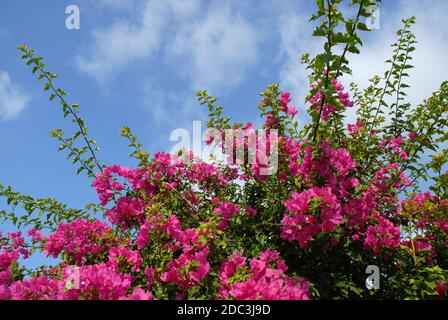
402,48
327,66
139,154
328,47
86,163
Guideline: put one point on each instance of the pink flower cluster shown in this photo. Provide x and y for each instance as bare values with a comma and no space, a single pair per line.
422,206
328,109
123,257
36,235
343,96
100,281
394,144
191,266
163,174
155,226
272,121
354,128
418,244
284,101
79,240
364,210
358,210
187,270
264,279
428,213
384,235
245,145
313,211
6,277
332,166
226,210
76,239
442,287
126,213
12,249
385,178
40,288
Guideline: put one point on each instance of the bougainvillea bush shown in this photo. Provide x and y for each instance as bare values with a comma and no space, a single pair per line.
342,197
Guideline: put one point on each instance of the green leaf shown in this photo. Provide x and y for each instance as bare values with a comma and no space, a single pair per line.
362,26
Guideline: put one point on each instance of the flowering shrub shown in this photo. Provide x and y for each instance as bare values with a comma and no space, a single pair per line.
265,279
342,197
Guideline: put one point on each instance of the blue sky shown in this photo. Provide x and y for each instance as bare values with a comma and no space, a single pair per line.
139,63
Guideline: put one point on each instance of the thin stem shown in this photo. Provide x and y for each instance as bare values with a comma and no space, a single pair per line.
316,128
77,119
388,76
341,59
355,22
77,155
400,77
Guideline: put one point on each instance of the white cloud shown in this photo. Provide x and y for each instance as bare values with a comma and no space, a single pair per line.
209,45
211,50
429,59
292,38
124,42
295,32
217,50
115,4
295,40
12,99
171,108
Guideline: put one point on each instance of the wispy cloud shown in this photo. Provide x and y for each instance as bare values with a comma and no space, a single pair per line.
213,46
171,108
211,50
295,39
429,59
114,4
431,67
217,49
124,42
204,46
12,99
